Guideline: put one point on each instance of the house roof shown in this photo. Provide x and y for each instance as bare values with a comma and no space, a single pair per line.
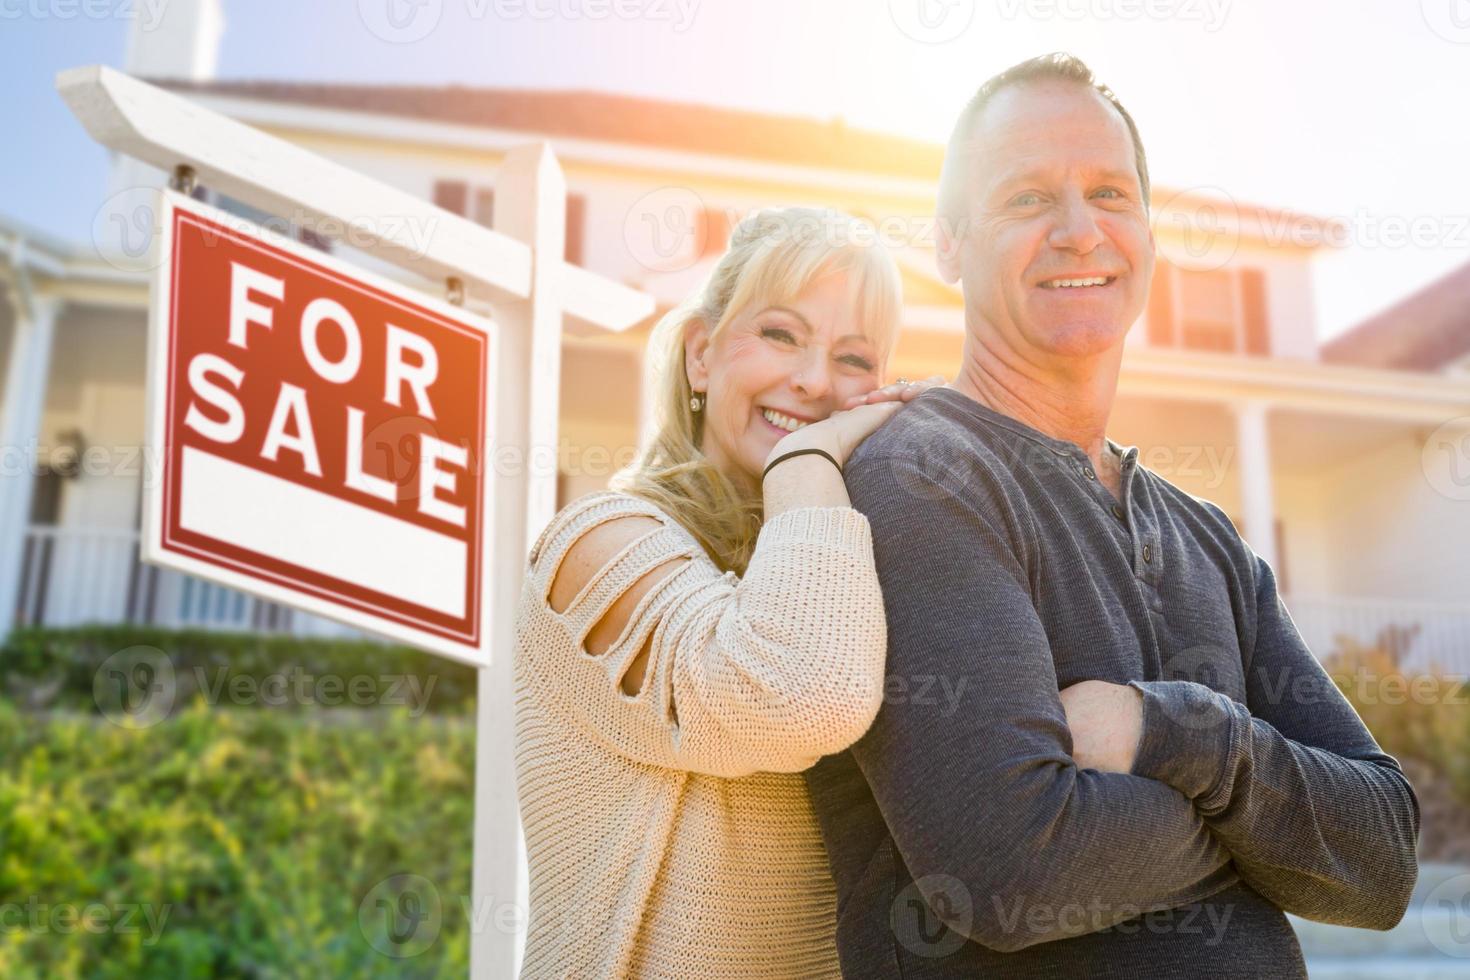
612,118
1425,331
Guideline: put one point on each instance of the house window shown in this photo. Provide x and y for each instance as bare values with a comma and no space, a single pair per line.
1221,310
478,204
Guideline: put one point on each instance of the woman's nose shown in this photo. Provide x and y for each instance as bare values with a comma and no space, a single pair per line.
814,377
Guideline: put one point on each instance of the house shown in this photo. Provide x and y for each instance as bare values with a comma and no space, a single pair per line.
1346,466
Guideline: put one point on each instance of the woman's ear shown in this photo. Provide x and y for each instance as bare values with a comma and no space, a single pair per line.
696,344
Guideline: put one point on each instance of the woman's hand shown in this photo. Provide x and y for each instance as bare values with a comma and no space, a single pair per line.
898,391
842,431
1106,721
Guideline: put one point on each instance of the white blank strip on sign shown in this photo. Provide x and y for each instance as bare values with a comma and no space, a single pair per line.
305,527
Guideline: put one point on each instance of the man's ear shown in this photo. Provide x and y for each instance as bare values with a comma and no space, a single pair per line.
696,344
949,240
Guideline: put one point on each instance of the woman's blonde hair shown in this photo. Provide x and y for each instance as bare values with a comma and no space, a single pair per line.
774,255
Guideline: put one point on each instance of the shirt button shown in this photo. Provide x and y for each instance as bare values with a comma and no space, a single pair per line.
1087,472
1118,512
1148,553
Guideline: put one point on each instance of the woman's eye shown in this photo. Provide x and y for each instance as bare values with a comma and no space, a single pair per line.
858,362
777,333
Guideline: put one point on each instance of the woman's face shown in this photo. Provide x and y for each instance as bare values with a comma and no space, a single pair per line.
775,368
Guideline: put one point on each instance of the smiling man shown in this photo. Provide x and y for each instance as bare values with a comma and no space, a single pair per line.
1148,767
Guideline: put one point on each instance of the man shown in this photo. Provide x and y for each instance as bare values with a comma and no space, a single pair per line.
1139,766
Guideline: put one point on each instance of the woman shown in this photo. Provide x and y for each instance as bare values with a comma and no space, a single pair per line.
678,662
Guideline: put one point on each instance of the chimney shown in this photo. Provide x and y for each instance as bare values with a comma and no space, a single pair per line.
176,39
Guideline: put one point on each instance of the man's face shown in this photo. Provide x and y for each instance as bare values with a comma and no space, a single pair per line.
1055,252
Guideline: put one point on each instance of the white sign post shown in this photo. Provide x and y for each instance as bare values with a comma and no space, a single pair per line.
517,267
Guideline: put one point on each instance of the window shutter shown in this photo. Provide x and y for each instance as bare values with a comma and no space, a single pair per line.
1253,307
1161,306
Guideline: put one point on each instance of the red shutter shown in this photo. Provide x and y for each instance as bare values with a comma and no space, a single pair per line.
452,195
1253,308
576,223
1161,307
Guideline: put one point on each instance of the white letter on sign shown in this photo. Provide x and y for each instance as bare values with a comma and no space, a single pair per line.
244,310
233,426
417,376
329,309
356,478
432,478
291,402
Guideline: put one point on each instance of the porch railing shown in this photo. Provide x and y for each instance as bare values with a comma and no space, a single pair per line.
72,576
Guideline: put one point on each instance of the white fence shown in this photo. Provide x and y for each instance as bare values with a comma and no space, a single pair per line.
1437,633
72,576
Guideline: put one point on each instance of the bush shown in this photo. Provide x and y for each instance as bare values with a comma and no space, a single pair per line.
223,842
45,668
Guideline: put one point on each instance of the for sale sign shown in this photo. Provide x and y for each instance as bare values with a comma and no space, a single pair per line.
322,433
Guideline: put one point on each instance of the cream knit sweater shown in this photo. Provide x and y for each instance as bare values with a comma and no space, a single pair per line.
669,834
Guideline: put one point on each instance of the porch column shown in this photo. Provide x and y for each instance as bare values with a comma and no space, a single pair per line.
20,423
1258,506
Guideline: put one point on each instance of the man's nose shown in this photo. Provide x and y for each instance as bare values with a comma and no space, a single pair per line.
1075,228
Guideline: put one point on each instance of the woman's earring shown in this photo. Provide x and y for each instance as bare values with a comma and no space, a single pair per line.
695,402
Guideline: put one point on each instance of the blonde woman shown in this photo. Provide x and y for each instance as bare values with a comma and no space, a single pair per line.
693,639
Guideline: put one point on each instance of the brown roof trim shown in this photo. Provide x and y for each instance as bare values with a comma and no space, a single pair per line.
1427,331
611,118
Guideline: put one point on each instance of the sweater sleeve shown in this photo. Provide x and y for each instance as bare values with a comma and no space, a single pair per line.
1318,818
763,673
982,790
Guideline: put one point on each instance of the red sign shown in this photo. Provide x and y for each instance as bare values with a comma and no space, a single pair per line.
322,432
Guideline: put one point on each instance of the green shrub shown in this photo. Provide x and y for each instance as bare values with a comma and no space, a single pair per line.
43,668
253,838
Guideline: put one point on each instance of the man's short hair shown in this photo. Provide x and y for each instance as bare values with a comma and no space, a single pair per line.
1055,66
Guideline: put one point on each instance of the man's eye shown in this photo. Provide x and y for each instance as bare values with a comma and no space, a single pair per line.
1025,200
1111,192
777,333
